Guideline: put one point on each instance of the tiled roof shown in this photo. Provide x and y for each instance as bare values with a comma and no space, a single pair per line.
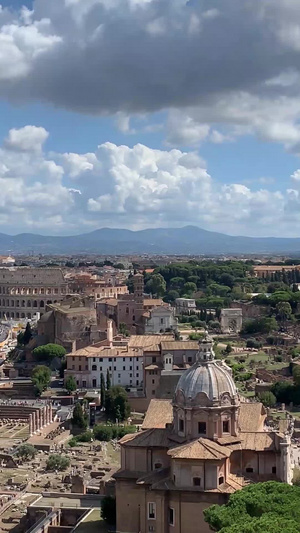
153,301
144,341
179,345
258,441
159,413
102,351
251,417
200,449
150,438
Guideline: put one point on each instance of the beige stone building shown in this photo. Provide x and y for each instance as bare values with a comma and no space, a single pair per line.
71,323
195,451
26,291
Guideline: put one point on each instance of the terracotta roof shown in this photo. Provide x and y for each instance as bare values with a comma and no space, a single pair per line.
200,449
152,348
150,438
153,301
143,341
179,345
252,416
257,441
110,301
152,367
102,351
159,413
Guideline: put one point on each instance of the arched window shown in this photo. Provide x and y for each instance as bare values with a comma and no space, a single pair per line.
29,303
221,480
35,303
94,367
42,304
23,303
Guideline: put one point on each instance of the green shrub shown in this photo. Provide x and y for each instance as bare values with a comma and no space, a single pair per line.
57,462
102,432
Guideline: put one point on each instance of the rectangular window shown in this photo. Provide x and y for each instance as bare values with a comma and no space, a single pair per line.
171,516
196,481
153,381
123,359
181,425
202,428
100,368
115,368
225,426
130,368
124,368
94,383
151,511
100,359
273,469
79,368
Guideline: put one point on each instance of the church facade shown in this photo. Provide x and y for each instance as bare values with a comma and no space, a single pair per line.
194,452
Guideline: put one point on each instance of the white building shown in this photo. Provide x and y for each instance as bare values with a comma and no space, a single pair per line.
125,367
86,365
185,305
160,320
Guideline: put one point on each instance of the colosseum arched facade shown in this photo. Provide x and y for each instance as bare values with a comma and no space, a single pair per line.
26,291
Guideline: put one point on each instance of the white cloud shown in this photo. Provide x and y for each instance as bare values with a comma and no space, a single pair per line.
120,186
27,139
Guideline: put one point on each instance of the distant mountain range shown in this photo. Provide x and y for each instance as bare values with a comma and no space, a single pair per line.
181,241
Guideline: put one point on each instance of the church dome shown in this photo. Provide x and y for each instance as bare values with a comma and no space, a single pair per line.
208,382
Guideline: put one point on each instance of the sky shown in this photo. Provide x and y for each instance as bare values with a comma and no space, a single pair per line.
150,113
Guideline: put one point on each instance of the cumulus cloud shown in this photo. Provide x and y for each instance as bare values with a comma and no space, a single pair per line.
27,139
134,187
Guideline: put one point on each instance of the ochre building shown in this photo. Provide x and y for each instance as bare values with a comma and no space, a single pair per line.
195,451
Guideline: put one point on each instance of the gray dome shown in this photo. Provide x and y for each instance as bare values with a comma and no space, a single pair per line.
206,383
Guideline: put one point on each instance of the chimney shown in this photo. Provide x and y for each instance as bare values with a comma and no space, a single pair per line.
110,332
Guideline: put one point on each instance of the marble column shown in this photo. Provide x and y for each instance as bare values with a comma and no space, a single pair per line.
33,423
30,425
51,414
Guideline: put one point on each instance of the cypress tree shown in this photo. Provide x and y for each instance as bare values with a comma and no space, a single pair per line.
102,386
27,334
108,382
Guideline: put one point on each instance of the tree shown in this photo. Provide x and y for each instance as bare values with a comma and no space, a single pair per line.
103,432
20,338
171,296
26,452
79,418
260,508
284,311
57,462
48,352
123,329
108,510
41,378
70,384
296,374
156,285
228,348
102,389
27,334
189,287
116,404
267,398
108,380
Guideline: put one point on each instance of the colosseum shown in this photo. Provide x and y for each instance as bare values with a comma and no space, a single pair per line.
26,291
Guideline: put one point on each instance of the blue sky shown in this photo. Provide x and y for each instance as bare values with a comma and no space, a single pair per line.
137,114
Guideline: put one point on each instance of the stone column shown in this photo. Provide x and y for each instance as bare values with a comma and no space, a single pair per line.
48,414
30,425
33,423
45,416
285,460
51,414
38,420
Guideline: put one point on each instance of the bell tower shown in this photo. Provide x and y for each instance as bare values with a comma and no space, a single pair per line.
138,283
